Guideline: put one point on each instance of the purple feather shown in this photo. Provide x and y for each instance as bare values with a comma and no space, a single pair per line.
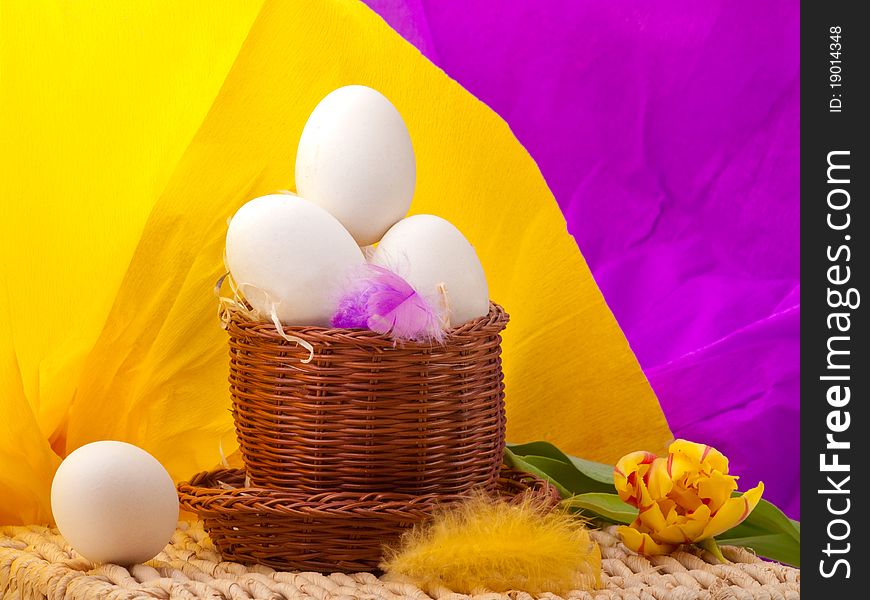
352,311
384,302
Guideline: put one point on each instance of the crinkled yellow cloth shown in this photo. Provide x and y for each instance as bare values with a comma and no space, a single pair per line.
132,131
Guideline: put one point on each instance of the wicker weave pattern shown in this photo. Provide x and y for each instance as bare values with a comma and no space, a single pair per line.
337,531
36,563
368,414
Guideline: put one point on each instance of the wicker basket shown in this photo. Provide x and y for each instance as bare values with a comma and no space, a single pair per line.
340,531
368,414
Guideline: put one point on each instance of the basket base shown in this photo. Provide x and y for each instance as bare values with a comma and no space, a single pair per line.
339,531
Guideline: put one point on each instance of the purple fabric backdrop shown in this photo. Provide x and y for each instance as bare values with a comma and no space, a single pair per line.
668,133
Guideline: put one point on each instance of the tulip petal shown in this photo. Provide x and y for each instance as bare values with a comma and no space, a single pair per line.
659,483
651,516
714,460
733,512
716,489
627,472
682,468
642,543
705,457
688,530
671,511
686,499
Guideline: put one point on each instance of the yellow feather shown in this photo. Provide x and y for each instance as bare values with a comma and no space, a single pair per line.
484,544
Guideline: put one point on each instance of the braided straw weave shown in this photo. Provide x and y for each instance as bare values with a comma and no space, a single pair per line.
36,563
337,531
369,414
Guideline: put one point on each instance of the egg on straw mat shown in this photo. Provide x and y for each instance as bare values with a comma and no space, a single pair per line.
113,502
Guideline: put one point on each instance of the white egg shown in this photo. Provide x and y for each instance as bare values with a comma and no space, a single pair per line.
355,159
429,251
113,502
284,250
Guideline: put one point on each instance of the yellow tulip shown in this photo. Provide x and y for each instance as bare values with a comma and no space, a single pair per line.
683,498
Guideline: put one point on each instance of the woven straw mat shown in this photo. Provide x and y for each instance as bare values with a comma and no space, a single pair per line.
36,563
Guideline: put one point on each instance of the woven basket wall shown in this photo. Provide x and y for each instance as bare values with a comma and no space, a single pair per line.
368,414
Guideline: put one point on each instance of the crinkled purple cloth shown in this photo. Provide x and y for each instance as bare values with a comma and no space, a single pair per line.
668,132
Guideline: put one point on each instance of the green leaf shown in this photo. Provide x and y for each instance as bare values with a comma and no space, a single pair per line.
774,546
571,478
519,463
768,519
538,449
606,506
769,533
598,472
594,470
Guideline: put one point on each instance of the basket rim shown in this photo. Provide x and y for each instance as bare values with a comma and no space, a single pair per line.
202,493
490,324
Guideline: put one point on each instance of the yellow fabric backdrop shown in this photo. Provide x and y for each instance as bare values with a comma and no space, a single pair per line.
131,133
